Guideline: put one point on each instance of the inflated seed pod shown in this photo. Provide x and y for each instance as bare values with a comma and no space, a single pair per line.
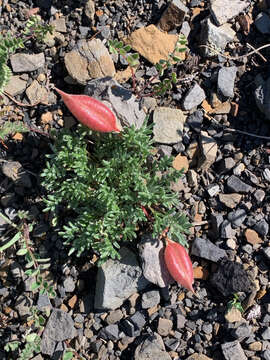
90,112
179,264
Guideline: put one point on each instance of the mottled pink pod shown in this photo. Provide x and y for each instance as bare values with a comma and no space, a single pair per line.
90,112
179,264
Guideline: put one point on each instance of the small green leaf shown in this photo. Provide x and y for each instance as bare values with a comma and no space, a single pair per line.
31,337
174,78
11,242
22,252
68,355
176,58
35,286
127,48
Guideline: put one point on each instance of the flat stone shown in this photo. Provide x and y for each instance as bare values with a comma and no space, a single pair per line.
153,44
252,237
197,356
114,316
14,171
168,125
233,351
89,60
27,62
69,284
120,100
237,217
180,162
233,315
16,85
173,16
241,332
117,280
164,326
262,23
151,348
150,299
152,255
226,79
59,25
230,200
195,120
208,151
37,93
266,334
207,250
60,326
236,185
216,37
23,305
194,97
224,10
226,231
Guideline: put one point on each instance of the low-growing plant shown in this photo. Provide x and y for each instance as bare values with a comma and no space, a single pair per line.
235,303
118,47
105,188
35,265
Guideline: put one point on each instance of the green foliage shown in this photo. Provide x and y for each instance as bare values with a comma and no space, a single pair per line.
35,265
235,303
8,128
10,43
99,193
117,47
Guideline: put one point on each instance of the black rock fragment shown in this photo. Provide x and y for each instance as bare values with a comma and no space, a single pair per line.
231,278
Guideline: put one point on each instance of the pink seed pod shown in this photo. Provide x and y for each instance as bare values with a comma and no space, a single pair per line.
179,264
90,112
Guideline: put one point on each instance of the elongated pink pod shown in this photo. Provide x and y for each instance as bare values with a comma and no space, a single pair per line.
90,112
179,264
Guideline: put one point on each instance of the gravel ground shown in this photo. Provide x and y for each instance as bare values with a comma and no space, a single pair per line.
222,96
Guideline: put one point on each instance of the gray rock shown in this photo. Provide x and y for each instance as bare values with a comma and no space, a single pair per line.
90,59
266,334
69,284
171,344
121,101
216,37
262,23
266,174
114,316
43,302
236,185
59,24
195,120
233,351
152,255
262,227
59,327
27,62
180,321
262,94
164,326
16,270
207,328
216,220
205,249
138,320
241,332
117,280
267,252
185,29
16,85
207,151
150,299
110,332
194,97
14,171
23,305
213,190
224,10
165,150
226,165
237,217
151,348
226,79
226,231
168,125
266,354
173,16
